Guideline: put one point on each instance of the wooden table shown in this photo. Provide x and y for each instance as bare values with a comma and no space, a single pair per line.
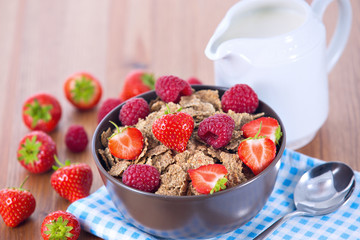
43,42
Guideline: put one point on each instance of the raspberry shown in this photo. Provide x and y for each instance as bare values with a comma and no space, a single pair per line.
216,130
133,109
240,98
76,138
194,81
143,177
108,105
171,88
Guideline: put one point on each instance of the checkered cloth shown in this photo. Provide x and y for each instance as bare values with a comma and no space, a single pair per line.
98,215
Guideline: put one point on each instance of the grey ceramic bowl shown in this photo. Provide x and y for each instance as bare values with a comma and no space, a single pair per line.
189,217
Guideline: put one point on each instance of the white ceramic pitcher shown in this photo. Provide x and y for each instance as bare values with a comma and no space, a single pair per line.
278,47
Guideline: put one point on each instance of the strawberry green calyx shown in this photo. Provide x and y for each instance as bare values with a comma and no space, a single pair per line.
58,229
220,185
29,151
278,134
83,90
257,134
167,111
149,80
118,129
67,163
38,112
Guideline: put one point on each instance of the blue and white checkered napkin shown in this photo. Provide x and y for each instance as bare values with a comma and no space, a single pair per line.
98,215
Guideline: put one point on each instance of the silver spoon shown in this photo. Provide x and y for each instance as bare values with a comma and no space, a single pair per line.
320,191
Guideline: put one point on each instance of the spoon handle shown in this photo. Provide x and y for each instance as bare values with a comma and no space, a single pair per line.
270,229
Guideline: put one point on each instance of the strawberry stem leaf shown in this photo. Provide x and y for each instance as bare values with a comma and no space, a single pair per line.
58,229
38,112
258,132
83,90
149,80
167,111
29,151
278,134
23,182
220,185
67,163
118,129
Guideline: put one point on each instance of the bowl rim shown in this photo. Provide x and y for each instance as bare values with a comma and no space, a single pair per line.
118,183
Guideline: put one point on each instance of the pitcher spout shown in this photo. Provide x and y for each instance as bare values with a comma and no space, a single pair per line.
223,43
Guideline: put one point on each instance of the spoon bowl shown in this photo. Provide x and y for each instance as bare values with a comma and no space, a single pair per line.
321,190
324,188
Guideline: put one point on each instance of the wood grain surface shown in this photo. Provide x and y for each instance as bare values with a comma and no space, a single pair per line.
43,42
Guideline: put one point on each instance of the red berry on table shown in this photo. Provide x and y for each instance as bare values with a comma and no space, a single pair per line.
60,225
41,112
106,107
83,90
171,88
174,130
257,153
137,82
16,205
270,128
72,181
216,130
143,177
240,98
76,138
132,110
209,178
194,81
36,152
126,143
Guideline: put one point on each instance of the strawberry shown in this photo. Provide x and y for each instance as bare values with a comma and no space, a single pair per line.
36,152
270,128
72,181
257,153
42,112
174,129
83,90
126,143
209,178
60,225
16,205
137,82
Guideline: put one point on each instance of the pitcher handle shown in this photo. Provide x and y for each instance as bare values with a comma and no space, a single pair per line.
342,30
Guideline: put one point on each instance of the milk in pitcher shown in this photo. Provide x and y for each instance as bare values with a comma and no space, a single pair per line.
264,22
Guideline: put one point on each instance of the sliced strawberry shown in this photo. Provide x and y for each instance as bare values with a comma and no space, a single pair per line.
257,153
270,128
126,143
209,178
